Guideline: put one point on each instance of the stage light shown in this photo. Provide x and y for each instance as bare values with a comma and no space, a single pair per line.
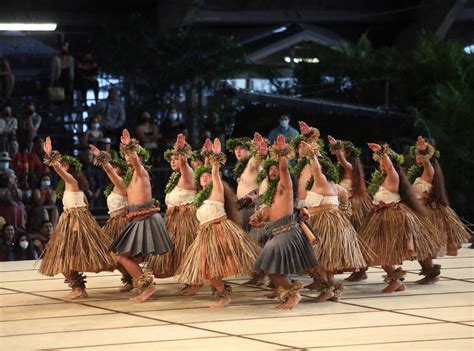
17,27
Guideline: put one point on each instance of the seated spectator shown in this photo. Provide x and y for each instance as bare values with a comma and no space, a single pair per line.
87,70
147,132
172,125
93,134
7,79
19,156
44,205
24,182
7,243
36,166
43,237
7,128
62,71
112,112
29,123
23,249
11,207
5,163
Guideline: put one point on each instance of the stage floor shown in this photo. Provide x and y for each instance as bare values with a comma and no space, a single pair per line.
421,318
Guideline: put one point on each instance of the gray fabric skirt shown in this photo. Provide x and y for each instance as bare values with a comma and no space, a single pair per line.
260,235
143,236
245,214
286,253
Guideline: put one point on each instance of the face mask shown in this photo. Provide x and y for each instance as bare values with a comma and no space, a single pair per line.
173,116
24,244
45,183
284,124
4,165
95,125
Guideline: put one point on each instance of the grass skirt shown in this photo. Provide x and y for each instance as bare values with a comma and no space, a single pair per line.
286,253
361,206
340,248
395,233
77,244
221,249
454,231
182,225
114,226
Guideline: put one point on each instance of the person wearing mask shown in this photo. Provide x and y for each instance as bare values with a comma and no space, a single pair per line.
112,112
8,243
11,207
105,144
87,70
147,132
23,248
19,154
5,164
62,71
283,129
93,134
44,205
43,237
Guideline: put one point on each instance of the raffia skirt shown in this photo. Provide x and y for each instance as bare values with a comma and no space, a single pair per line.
339,248
454,231
395,234
77,244
361,206
115,226
182,225
221,249
287,250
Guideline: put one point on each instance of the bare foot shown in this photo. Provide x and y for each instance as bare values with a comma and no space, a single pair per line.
357,276
75,294
428,280
182,291
314,285
290,303
257,280
146,294
190,290
272,295
126,288
394,285
222,302
324,296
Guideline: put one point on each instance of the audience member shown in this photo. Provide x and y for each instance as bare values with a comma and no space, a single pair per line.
7,243
112,113
284,129
94,177
87,70
36,166
29,123
172,125
7,79
93,134
44,205
23,248
62,71
11,206
43,237
7,128
147,132
20,155
105,144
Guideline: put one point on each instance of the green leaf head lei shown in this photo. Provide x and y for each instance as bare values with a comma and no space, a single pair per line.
76,166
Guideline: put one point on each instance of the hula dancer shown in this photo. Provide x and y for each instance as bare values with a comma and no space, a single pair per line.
396,228
221,248
77,243
180,219
339,247
117,202
288,249
353,180
428,183
245,172
145,233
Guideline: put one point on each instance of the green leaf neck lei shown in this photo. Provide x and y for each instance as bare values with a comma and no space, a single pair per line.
202,196
172,182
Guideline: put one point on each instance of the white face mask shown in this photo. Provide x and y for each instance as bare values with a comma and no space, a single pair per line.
4,165
285,124
95,125
45,183
24,244
173,116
